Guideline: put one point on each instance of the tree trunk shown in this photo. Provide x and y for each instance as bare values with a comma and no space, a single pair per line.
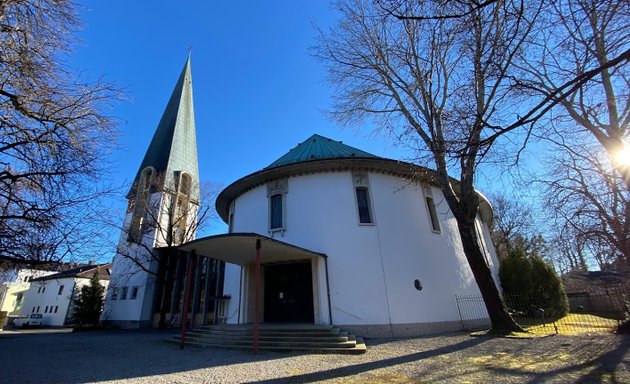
499,317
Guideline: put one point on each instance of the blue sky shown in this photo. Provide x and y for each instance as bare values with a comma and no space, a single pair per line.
258,90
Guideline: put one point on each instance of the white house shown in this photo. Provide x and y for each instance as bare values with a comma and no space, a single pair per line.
14,284
347,238
53,295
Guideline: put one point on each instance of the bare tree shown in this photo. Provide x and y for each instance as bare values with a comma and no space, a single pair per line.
587,197
53,134
589,192
441,82
515,225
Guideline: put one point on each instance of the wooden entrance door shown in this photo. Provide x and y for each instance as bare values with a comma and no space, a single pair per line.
289,293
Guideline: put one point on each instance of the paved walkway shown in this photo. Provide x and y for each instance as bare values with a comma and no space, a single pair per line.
144,357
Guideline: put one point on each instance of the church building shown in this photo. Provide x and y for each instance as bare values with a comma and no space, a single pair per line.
326,234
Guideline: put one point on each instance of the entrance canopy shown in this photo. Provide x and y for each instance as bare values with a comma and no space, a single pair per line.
240,249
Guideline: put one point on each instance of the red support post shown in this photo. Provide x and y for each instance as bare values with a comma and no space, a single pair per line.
256,297
191,266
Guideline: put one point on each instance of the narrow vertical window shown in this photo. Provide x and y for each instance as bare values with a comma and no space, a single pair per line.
56,308
60,290
231,219
134,293
363,204
362,195
138,221
276,212
114,293
276,192
123,293
182,207
435,223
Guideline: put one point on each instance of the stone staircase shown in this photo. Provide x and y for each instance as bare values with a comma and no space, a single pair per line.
277,337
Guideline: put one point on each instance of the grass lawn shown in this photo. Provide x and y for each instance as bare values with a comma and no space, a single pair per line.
572,324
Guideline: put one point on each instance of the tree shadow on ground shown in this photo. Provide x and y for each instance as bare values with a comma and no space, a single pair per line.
369,366
575,362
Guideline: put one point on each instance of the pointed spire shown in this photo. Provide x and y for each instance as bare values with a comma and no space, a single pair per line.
174,144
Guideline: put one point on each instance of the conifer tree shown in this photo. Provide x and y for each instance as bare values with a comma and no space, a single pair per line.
530,284
89,303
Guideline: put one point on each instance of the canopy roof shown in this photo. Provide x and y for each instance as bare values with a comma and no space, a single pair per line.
240,249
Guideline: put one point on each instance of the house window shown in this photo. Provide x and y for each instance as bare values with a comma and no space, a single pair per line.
430,204
33,310
56,308
46,309
276,192
19,298
123,293
60,290
39,290
134,293
362,195
114,293
37,309
43,289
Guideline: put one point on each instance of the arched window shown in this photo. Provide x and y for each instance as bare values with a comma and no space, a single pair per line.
183,185
138,221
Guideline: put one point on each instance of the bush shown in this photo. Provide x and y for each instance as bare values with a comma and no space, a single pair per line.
530,284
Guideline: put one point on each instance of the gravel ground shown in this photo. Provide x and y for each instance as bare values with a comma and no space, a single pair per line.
145,357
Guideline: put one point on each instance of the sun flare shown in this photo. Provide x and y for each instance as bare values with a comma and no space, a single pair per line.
622,157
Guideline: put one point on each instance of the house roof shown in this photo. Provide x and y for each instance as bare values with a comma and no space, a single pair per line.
174,143
584,280
85,271
318,147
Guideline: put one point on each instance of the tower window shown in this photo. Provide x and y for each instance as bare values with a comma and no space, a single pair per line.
138,221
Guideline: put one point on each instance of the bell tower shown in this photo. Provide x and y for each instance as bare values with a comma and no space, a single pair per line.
162,210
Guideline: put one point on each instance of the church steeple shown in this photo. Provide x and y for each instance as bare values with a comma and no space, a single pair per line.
173,149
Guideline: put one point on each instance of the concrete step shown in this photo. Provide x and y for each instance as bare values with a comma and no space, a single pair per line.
277,337
356,350
297,337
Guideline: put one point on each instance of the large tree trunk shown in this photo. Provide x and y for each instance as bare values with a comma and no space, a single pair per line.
499,316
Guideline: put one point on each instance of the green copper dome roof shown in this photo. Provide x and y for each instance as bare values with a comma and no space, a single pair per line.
174,144
319,147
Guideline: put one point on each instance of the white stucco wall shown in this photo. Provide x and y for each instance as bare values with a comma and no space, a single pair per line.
372,268
129,273
45,301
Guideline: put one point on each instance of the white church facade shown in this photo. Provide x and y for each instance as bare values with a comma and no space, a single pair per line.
349,239
345,238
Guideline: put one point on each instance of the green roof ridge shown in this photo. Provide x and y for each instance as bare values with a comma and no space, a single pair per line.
174,144
318,147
